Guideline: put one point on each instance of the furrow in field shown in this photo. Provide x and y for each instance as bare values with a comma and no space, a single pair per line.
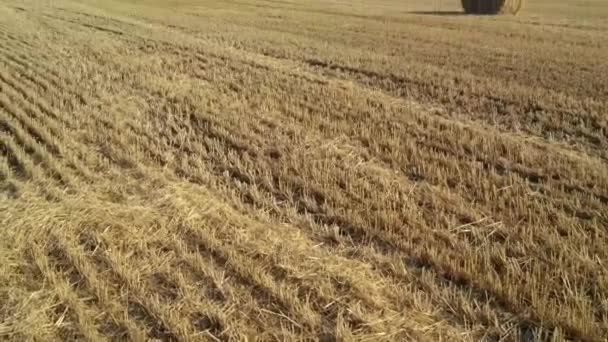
583,120
40,77
216,293
403,143
402,147
336,124
150,298
245,144
270,290
158,268
304,207
414,132
527,159
344,230
222,291
451,48
43,128
44,132
75,121
423,84
50,77
80,25
20,54
24,166
126,24
263,306
84,274
364,231
14,157
142,305
37,152
98,17
23,169
5,169
75,314
30,93
164,284
205,293
346,278
9,185
318,291
10,38
326,299
232,144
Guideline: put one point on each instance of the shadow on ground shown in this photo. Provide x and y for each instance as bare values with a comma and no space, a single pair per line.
448,13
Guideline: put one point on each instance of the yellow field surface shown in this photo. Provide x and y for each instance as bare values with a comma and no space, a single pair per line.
352,170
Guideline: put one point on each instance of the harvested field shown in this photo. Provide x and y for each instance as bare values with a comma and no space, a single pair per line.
303,170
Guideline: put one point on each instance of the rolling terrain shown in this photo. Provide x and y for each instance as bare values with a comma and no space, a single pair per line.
266,170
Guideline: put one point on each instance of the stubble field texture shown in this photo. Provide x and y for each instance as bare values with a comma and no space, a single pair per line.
350,170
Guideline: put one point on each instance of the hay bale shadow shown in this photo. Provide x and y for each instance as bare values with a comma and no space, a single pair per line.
439,13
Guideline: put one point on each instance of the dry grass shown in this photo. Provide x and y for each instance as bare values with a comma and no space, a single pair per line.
302,170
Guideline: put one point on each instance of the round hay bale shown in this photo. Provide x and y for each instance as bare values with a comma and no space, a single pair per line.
492,6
